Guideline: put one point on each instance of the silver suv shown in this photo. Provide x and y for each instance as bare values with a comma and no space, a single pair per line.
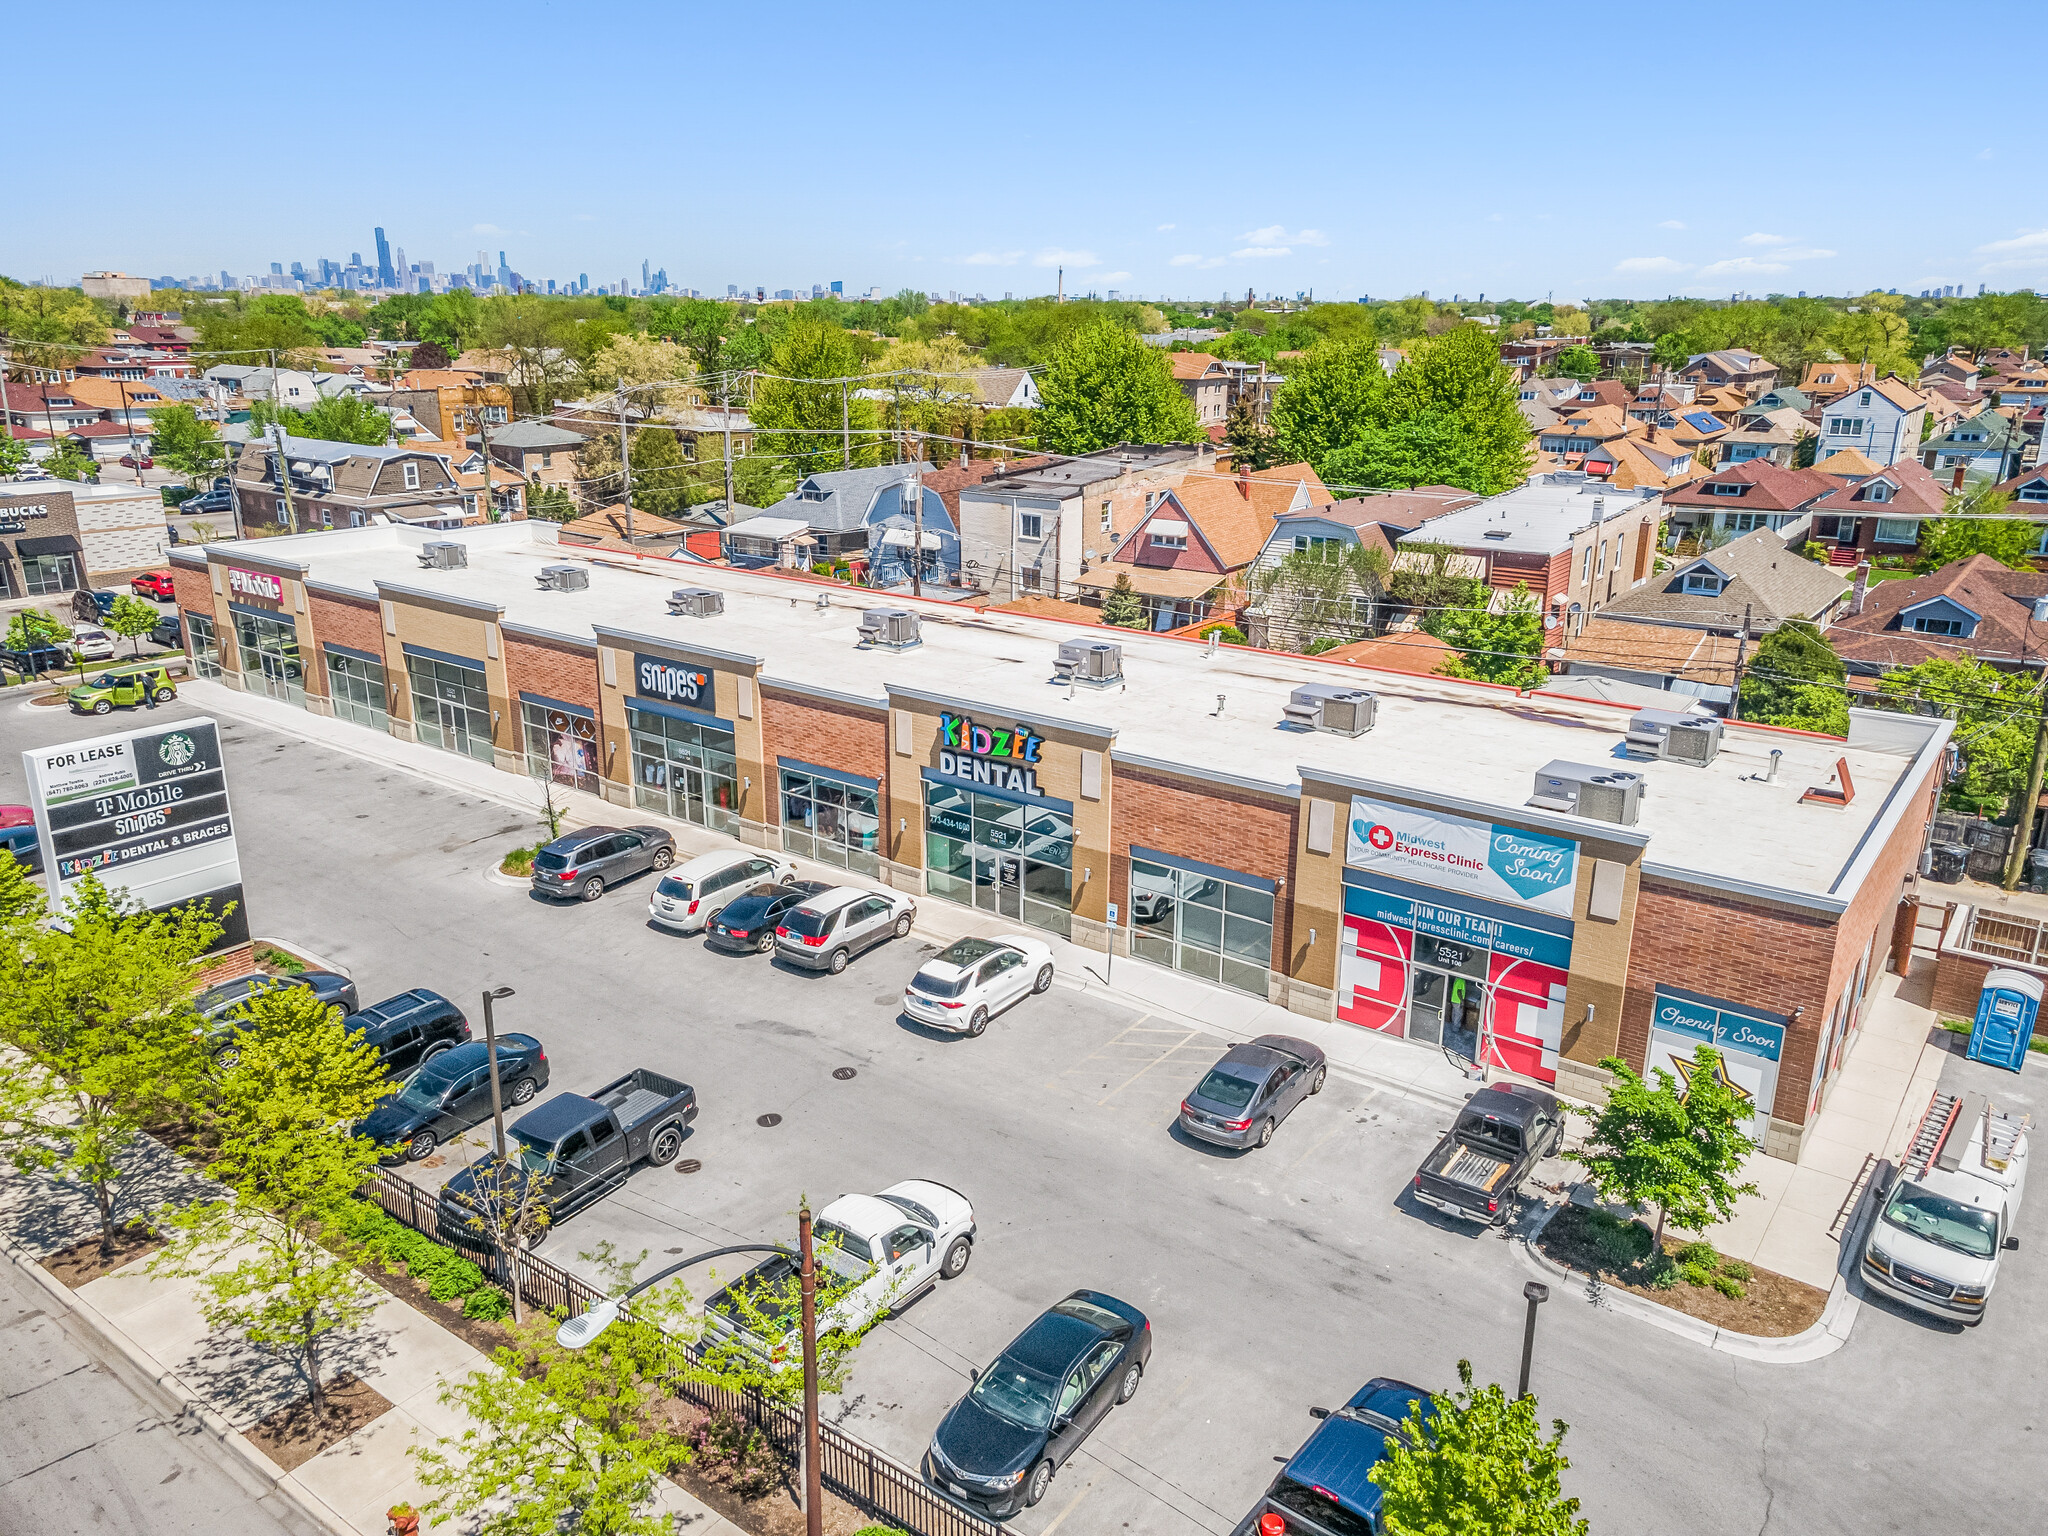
828,930
582,864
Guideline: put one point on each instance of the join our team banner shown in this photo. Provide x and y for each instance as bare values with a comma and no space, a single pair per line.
1484,858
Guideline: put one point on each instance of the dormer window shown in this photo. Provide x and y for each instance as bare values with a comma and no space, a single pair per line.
1708,582
1725,488
1879,492
1925,625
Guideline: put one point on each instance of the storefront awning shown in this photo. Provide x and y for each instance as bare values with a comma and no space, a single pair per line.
53,544
1152,582
899,538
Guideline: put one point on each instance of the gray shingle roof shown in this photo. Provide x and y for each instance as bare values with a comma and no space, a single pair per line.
1763,575
535,434
839,499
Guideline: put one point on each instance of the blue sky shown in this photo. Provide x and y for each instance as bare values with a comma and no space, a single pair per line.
1186,149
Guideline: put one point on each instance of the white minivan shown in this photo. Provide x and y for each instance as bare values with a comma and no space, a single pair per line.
691,894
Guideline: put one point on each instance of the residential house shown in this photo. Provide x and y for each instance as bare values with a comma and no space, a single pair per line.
1732,368
357,362
488,365
343,485
1948,405
1543,401
1290,619
1652,460
1987,446
1695,666
452,403
1754,577
492,498
872,516
1206,383
1574,542
1391,358
1772,435
999,389
1633,358
1879,511
1660,402
156,338
1955,366
700,431
1528,359
1699,431
1741,497
538,453
1783,398
1879,418
290,387
1825,380
950,479
130,363
1183,554
1970,607
1579,430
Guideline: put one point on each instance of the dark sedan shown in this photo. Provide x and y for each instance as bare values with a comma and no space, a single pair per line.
453,1092
583,863
1249,1092
746,924
1030,1411
225,1008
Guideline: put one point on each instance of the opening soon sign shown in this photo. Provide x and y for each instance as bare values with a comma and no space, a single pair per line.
1484,858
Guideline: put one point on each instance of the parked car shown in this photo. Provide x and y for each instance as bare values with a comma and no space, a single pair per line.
452,1092
24,846
583,863
747,923
169,631
133,461
411,1028
1251,1090
139,682
893,1247
17,816
1326,1488
1502,1133
209,503
154,584
91,643
692,894
33,472
97,603
223,1009
970,982
825,932
578,1147
35,661
1028,1412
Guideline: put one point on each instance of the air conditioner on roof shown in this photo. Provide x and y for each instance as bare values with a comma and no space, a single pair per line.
892,629
1598,794
1092,663
1326,707
443,555
1674,737
564,578
696,602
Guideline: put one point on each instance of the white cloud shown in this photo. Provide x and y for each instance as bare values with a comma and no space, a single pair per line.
586,218
1650,264
1984,154
1310,237
1252,252
1203,262
1803,253
1164,228
488,229
1059,258
1111,277
1276,235
1672,224
993,259
1763,239
2026,240
1742,266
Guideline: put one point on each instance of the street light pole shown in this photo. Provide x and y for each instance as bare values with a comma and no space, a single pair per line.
1537,1293
814,1499
491,1047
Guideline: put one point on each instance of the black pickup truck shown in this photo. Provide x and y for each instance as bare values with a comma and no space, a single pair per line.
1503,1131
579,1147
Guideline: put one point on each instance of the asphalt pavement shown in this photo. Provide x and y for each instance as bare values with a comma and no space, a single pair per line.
1275,1280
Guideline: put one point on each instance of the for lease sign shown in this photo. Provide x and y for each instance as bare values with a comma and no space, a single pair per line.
1483,858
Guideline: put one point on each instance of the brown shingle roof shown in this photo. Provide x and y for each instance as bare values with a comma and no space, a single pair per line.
2002,598
1765,579
1773,488
1236,514
1696,654
1408,651
1192,365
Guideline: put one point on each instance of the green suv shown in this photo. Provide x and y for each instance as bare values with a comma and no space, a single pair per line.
127,686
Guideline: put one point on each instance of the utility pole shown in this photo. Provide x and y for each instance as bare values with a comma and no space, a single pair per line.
284,475
625,462
2023,830
814,1490
913,491
483,429
1741,649
725,400
845,427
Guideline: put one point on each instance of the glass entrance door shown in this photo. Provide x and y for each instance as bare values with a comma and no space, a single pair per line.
1446,1010
270,658
1002,856
1428,995
451,707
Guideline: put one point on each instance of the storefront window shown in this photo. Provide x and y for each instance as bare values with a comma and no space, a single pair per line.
205,646
685,768
561,744
832,820
43,574
1012,857
271,663
1203,923
356,687
451,707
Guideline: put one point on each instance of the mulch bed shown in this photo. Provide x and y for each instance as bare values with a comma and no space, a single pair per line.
1771,1306
81,1262
293,1435
779,1512
477,1333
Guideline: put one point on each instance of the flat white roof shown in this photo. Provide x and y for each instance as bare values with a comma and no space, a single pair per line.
1467,747
1537,518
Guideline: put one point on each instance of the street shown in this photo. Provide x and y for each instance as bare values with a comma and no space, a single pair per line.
1274,1280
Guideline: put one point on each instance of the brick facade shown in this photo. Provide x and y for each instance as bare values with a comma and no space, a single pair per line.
194,589
345,622
551,668
812,730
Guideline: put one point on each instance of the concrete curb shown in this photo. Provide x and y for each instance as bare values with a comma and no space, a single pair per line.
293,946
268,1473
1826,1336
495,876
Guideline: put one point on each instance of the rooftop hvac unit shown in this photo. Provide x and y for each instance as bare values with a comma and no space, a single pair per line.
1325,707
1674,737
696,602
893,629
564,578
444,555
1598,794
1092,663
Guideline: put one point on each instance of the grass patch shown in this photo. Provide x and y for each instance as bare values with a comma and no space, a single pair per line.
279,960
519,861
1962,1027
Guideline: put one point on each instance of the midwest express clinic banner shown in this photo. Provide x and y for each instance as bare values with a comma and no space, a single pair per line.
1483,858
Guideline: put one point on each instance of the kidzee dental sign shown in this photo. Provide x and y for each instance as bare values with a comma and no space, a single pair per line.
1505,863
988,754
660,678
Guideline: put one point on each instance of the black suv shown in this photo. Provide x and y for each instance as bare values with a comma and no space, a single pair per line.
411,1028
223,1009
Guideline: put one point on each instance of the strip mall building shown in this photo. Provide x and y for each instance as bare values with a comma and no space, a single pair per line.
1399,880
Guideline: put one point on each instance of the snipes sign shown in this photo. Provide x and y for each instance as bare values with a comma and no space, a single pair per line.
1483,858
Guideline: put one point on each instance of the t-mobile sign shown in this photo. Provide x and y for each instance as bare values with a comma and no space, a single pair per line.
255,584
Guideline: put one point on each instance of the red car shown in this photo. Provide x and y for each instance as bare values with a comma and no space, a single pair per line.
154,584
16,816
128,462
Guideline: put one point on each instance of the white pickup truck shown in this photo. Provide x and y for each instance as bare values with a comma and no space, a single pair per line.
895,1246
1949,1212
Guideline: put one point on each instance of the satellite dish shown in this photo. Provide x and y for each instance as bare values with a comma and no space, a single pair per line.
1550,621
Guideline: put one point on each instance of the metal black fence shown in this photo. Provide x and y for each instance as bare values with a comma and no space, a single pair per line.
878,1484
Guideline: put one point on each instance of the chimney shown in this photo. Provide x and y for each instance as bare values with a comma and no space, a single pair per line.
1859,593
1244,482
963,456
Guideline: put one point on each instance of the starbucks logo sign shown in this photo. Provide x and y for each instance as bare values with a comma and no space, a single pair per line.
177,750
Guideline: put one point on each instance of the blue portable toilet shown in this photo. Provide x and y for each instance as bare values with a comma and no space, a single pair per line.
2005,1019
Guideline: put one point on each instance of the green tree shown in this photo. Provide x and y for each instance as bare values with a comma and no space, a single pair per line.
659,471
765,1308
71,462
429,355
132,618
100,1005
1460,373
1796,680
1504,647
1256,445
1995,713
1423,578
337,419
47,327
1677,1147
1479,1463
1428,448
14,455
800,407
542,335
552,504
1103,386
180,440
1122,606
1330,397
451,321
292,1168
34,628
1311,596
1974,527
1581,363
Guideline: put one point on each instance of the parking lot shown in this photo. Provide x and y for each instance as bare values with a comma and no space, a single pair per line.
1274,1279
